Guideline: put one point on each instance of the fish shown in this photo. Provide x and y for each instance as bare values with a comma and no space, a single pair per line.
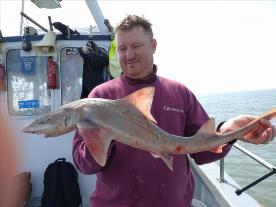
129,121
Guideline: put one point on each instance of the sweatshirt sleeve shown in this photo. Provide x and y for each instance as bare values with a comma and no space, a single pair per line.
196,117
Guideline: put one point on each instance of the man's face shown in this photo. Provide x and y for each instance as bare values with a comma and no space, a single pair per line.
135,49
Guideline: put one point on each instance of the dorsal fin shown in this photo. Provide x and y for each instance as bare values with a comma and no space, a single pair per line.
142,100
208,127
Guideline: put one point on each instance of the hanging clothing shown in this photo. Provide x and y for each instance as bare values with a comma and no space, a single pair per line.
94,69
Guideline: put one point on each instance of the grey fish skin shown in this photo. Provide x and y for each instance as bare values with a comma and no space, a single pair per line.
128,120
59,122
53,124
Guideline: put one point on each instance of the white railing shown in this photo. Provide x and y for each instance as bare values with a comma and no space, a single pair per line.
271,168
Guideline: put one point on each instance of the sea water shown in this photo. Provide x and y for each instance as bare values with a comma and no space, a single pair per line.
240,167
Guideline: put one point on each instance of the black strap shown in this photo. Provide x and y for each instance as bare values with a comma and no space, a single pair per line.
219,126
218,129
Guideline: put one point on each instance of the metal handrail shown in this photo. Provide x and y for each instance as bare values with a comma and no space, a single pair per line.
264,163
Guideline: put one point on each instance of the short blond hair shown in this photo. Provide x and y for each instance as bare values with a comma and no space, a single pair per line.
131,21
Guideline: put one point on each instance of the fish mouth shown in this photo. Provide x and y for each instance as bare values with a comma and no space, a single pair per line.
27,130
38,132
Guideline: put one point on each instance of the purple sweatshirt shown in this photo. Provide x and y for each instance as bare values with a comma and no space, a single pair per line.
132,177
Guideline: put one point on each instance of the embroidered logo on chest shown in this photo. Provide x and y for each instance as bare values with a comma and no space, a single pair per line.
170,108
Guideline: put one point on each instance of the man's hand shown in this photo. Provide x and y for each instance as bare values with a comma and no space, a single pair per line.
263,134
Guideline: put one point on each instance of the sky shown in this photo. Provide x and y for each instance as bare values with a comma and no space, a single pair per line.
209,46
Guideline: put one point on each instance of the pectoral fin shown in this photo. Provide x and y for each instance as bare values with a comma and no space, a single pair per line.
97,142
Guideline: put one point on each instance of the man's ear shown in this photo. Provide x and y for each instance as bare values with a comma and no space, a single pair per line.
154,45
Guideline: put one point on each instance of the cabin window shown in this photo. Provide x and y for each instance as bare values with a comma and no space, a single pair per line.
71,67
71,71
27,86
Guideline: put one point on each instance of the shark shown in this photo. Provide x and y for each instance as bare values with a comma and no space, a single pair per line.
129,121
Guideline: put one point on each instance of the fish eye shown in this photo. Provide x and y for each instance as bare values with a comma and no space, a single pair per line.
43,120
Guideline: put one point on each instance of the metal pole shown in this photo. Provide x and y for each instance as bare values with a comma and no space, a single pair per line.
259,160
21,21
240,191
221,170
33,21
50,23
98,15
254,157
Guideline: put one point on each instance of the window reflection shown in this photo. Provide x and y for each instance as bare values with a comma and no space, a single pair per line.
27,90
71,67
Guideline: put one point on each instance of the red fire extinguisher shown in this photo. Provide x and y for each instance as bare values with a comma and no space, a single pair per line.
2,78
51,74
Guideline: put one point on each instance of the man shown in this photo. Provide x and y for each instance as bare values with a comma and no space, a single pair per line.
132,177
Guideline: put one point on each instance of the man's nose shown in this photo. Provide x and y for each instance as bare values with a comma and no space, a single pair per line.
130,54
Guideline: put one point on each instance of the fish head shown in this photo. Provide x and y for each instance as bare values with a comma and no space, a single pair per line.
53,124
